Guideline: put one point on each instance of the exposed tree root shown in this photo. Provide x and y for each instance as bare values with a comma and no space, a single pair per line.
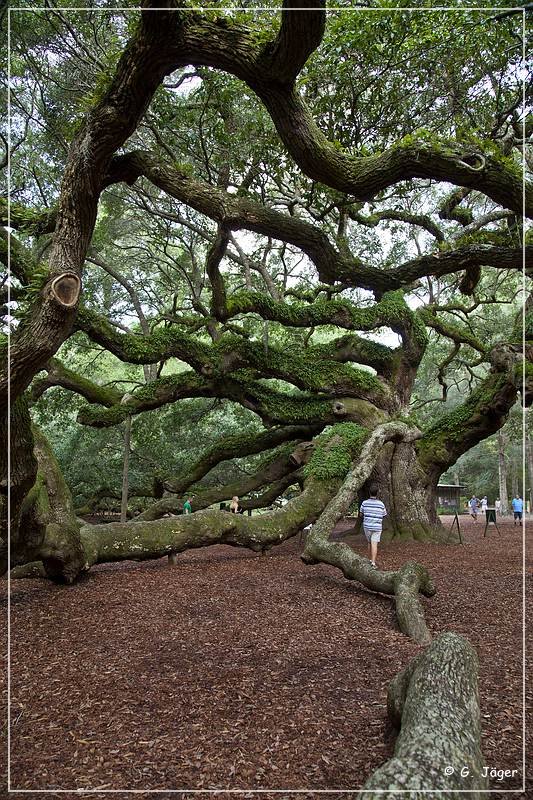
34,569
406,583
434,702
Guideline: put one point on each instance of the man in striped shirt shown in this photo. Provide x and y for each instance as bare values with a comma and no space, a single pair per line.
372,511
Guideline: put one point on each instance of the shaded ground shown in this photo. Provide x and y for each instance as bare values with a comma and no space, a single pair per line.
238,671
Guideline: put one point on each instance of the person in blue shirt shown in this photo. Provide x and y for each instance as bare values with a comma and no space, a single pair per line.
473,505
518,508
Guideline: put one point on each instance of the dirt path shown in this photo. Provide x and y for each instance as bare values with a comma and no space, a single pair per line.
237,671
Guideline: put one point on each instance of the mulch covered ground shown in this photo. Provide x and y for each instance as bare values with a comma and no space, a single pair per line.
233,670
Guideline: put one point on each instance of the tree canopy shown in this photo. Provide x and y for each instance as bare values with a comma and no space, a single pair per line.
276,231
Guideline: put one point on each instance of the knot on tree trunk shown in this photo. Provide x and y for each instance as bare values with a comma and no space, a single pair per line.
65,289
339,409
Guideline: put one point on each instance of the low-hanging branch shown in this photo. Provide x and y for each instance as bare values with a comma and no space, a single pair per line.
237,446
142,539
276,467
108,492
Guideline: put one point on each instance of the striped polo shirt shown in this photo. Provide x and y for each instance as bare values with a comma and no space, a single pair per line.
373,512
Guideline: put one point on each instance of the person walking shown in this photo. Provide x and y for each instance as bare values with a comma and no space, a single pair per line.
187,507
372,512
518,508
484,504
473,504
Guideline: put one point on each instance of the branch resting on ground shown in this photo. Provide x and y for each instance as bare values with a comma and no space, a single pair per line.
405,583
434,701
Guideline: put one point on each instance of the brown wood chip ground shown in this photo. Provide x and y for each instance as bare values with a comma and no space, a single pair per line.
233,670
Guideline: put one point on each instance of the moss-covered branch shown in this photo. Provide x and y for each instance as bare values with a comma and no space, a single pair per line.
481,415
459,334
60,375
153,395
307,369
237,446
434,702
142,540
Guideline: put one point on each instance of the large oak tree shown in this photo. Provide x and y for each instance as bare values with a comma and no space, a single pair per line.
262,196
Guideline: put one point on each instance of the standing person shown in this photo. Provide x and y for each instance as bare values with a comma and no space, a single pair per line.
234,506
498,506
484,504
473,503
187,507
372,512
518,508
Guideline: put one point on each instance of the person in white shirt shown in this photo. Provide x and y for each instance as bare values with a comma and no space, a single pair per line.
372,511
484,504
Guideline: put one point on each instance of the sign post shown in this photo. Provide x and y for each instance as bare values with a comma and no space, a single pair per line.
455,521
490,516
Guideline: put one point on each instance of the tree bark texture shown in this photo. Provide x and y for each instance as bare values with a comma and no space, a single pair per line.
48,522
20,473
434,701
408,492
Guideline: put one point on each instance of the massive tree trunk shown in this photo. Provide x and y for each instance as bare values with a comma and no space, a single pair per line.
20,473
43,523
409,492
